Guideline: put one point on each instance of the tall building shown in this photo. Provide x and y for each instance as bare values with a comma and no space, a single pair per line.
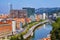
44,16
30,11
18,13
11,7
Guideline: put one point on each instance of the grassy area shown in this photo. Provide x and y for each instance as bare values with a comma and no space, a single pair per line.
29,26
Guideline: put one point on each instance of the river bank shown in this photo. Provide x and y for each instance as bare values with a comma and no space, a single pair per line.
30,26
41,32
30,31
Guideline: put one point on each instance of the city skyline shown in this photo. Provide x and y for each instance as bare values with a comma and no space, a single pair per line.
19,4
29,20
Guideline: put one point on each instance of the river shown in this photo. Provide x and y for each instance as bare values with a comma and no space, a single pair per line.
41,32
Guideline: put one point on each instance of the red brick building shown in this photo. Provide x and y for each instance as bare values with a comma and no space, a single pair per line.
5,28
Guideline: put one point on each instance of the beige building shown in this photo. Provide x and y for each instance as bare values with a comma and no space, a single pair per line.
38,17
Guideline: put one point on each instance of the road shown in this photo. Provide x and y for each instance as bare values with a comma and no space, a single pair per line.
32,28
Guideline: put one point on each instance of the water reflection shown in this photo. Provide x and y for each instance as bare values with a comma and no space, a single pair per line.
44,26
42,32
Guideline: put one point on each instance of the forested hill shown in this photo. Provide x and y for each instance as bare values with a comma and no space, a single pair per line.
47,10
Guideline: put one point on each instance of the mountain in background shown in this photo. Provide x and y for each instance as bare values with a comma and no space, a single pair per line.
47,10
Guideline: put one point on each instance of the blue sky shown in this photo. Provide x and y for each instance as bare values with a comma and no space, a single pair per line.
19,4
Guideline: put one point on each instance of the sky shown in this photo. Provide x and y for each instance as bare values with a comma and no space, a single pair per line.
19,4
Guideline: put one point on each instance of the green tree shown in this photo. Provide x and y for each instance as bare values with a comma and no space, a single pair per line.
55,33
22,37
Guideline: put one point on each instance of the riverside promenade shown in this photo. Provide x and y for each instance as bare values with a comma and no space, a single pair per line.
30,31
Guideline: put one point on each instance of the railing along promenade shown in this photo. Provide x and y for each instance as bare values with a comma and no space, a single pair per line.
30,31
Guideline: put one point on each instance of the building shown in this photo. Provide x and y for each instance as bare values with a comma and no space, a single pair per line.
18,21
58,14
4,16
30,11
54,15
32,18
14,26
21,21
7,28
38,17
21,25
18,13
44,16
27,20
